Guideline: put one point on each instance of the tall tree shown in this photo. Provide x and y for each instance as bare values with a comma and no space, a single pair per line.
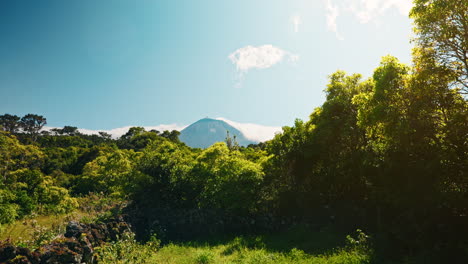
9,122
171,135
105,135
133,131
32,124
231,142
442,33
70,130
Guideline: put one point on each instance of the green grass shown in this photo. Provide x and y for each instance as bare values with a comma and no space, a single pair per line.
297,245
224,254
294,246
36,227
25,229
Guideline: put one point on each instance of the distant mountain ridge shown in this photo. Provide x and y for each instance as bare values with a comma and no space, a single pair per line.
205,132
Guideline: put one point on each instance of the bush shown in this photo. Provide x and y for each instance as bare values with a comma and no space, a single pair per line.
125,250
204,257
8,213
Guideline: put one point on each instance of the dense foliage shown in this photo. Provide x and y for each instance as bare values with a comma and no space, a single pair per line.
388,153
24,187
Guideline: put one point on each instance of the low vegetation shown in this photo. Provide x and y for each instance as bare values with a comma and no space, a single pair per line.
310,247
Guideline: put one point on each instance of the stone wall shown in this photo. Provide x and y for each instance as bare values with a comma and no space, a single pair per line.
75,246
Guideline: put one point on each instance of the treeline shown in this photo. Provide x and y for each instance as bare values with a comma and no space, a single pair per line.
43,170
387,154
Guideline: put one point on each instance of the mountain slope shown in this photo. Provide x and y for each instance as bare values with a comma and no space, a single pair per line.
205,132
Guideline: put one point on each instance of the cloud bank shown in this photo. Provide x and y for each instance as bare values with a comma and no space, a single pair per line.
254,132
368,10
364,10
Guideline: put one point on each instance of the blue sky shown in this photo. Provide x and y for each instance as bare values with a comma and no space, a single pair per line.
101,65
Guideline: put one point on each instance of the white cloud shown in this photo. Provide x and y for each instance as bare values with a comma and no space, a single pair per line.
364,10
368,10
332,14
296,21
261,57
254,132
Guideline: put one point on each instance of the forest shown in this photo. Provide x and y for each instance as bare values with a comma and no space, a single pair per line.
385,155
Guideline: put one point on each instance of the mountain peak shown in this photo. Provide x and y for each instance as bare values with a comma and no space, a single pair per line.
207,131
206,119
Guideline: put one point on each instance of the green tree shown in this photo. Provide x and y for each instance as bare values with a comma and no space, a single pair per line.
231,142
70,130
8,209
166,166
21,184
105,135
32,124
171,135
109,173
9,123
133,131
137,138
229,181
15,156
66,130
319,163
441,29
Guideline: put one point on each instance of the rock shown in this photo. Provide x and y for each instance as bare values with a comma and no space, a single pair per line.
76,246
73,229
20,259
7,251
60,253
88,251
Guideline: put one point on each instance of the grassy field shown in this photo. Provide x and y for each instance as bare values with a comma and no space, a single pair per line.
297,245
235,252
26,228
35,229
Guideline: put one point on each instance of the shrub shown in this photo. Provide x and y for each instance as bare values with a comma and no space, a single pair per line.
204,257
